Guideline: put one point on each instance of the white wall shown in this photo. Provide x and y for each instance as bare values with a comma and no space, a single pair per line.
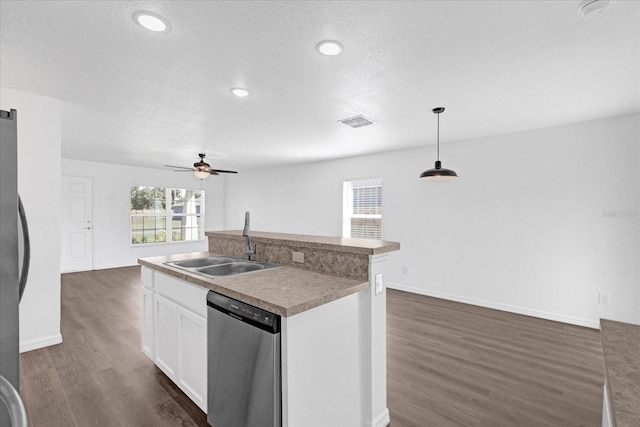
535,224
111,207
39,150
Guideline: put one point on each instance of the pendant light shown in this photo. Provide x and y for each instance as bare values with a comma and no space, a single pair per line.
438,172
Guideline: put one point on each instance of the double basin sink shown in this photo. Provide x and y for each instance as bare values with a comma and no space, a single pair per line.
220,266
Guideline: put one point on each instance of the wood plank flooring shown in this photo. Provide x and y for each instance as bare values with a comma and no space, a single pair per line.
452,364
98,376
449,364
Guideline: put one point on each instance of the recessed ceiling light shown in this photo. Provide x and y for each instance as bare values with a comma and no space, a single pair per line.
329,47
152,21
239,92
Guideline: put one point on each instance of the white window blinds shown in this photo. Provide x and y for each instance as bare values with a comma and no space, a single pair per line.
362,209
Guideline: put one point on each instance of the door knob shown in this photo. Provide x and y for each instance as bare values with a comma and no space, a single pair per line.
87,228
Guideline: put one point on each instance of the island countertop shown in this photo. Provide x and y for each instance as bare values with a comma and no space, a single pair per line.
621,348
283,290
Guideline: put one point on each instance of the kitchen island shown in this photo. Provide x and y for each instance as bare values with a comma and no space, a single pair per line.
333,306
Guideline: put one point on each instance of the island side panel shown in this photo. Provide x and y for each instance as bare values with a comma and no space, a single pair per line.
146,278
322,382
375,344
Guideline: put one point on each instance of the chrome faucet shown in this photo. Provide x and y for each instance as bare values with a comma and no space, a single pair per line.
248,252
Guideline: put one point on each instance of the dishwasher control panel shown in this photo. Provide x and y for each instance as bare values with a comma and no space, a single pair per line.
244,312
251,312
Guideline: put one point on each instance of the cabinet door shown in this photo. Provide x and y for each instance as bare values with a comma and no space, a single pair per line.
192,356
166,335
147,322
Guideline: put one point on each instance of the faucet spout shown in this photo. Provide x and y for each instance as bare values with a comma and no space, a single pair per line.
248,252
247,220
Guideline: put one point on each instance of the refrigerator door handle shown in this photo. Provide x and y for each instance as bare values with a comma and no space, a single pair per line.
12,400
26,259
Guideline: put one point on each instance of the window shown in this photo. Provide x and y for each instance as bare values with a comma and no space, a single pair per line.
160,215
362,209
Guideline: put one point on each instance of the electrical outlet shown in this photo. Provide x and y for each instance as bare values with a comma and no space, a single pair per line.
603,298
298,257
405,269
378,283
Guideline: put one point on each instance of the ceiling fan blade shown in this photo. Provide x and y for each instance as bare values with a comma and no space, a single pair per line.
178,167
222,171
183,170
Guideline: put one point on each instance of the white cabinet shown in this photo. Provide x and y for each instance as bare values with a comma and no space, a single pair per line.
174,331
166,335
192,355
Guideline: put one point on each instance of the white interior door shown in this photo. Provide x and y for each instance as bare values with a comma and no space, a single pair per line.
77,224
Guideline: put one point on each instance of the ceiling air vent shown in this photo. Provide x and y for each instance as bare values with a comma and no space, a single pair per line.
357,121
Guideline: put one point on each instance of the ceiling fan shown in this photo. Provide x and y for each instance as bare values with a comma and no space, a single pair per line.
201,169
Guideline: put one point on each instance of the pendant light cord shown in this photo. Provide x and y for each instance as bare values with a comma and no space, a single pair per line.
438,137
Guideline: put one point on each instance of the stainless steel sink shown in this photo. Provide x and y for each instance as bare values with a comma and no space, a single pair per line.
220,266
204,262
232,268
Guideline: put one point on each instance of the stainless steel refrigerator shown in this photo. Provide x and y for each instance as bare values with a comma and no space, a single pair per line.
14,266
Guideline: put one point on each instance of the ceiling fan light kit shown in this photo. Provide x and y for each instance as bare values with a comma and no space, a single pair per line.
438,172
201,174
201,169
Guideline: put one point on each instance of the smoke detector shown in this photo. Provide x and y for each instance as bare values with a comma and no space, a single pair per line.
590,8
357,121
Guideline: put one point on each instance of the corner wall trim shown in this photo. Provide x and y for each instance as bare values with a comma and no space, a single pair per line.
40,343
594,324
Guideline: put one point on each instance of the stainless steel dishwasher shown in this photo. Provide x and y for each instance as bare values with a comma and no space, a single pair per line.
243,350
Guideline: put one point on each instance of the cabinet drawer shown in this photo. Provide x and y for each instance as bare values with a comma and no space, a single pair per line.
191,297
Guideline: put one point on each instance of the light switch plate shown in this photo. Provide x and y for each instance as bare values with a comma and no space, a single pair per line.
378,283
298,256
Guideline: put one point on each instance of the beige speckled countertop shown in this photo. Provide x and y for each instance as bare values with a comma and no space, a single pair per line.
621,348
337,244
282,290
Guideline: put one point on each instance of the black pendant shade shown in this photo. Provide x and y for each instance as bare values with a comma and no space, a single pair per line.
438,172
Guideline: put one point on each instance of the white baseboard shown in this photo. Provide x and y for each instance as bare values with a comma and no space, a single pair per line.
40,343
116,265
102,267
382,420
75,271
498,306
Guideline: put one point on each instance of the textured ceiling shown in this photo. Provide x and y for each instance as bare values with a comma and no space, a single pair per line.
135,97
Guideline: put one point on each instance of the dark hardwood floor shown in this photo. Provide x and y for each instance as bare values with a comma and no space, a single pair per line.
98,376
452,364
449,364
